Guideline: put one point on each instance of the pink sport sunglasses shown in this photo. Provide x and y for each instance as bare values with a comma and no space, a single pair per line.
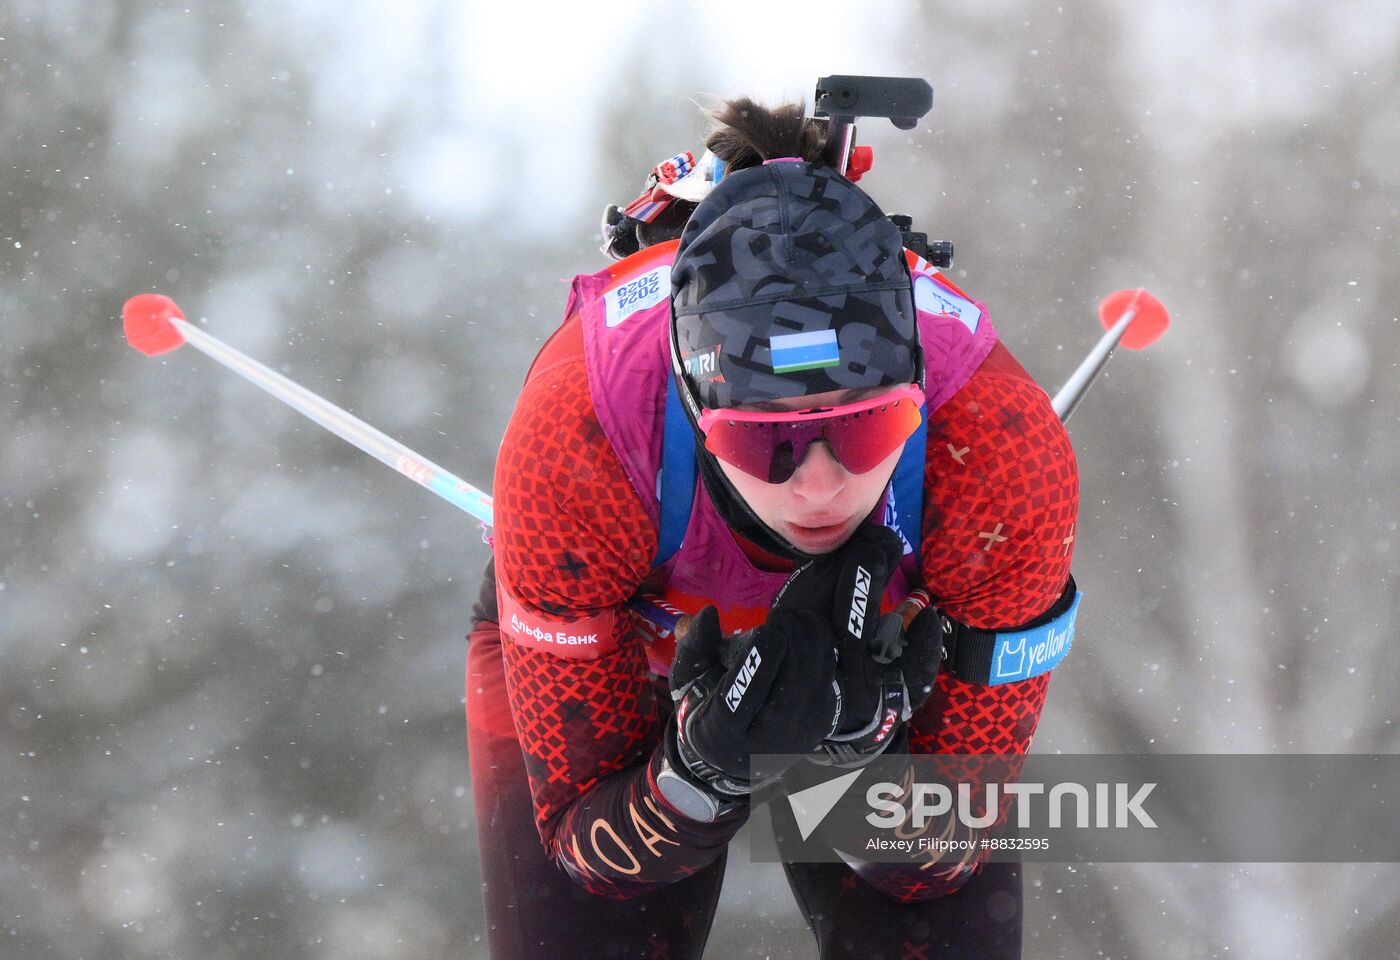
771,446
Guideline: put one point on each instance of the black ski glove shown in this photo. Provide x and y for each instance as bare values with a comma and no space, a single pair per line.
777,695
846,586
885,670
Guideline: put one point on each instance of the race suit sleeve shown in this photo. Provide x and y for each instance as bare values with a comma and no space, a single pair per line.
572,543
1000,508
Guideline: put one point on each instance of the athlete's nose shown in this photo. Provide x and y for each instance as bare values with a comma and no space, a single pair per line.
819,476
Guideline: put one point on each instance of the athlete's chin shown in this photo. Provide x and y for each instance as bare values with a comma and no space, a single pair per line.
820,537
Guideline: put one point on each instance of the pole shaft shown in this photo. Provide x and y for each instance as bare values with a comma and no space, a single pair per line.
1069,395
343,424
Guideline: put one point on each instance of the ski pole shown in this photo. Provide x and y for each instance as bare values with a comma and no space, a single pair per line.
1133,317
155,324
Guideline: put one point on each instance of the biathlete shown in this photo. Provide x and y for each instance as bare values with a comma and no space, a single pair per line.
783,388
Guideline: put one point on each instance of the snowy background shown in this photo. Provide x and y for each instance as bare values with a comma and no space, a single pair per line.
231,646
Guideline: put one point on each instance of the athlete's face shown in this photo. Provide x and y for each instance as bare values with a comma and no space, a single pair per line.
822,503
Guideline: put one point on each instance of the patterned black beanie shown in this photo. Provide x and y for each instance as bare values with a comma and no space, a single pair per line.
790,281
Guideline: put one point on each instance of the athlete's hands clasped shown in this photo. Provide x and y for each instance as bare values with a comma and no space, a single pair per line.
885,670
825,675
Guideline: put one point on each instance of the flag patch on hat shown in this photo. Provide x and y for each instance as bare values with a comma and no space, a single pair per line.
803,351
